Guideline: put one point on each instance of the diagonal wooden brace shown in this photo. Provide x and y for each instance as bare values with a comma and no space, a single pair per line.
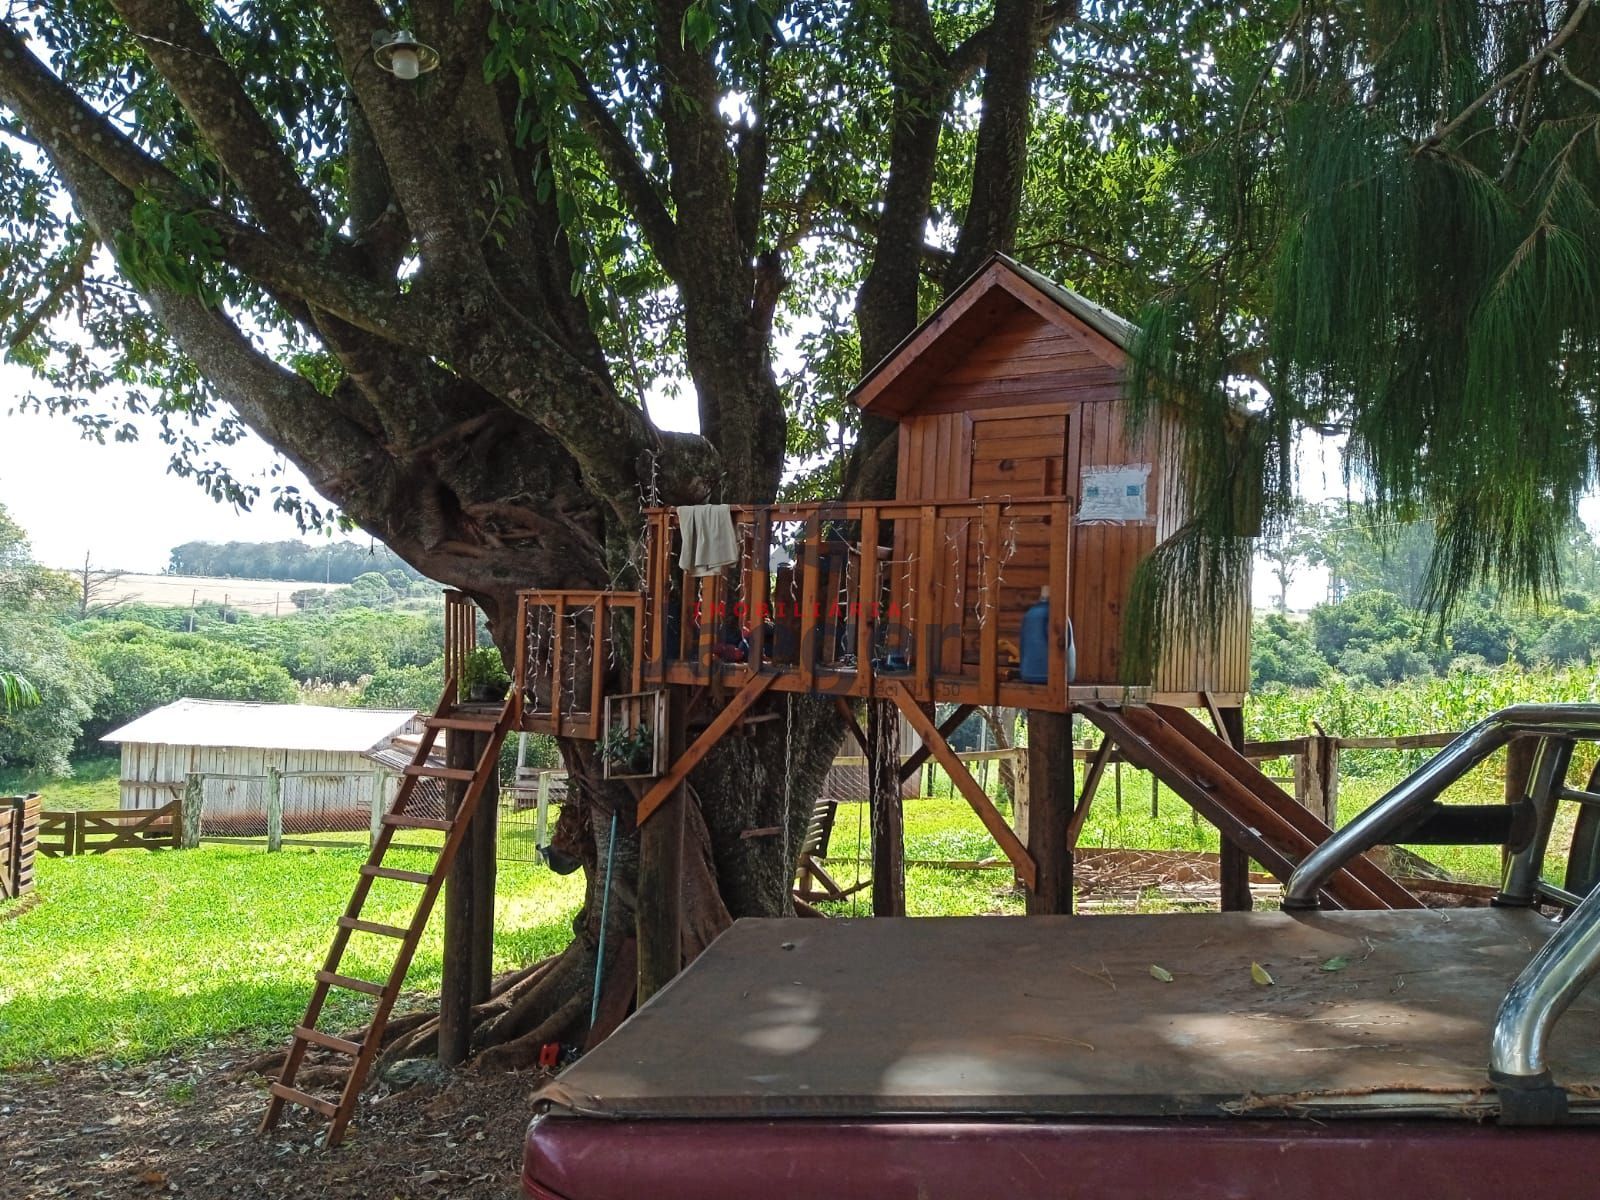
1027,871
701,746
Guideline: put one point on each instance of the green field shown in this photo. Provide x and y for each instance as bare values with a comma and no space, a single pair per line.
92,784
131,954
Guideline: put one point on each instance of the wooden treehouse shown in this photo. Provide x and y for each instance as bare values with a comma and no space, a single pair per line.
997,575
1017,483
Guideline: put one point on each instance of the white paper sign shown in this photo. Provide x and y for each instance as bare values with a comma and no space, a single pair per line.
1115,493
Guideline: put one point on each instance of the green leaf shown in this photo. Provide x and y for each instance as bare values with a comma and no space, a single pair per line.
1337,963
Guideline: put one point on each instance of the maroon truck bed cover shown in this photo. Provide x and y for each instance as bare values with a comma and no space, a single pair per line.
966,1056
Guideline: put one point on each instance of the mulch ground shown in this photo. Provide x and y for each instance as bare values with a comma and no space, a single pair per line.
184,1125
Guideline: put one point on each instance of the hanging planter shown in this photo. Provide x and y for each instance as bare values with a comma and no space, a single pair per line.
633,741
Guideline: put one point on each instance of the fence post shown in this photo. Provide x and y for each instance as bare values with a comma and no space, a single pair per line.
541,811
274,810
194,798
1316,777
378,806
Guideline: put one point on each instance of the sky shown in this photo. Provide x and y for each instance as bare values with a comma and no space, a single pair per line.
118,503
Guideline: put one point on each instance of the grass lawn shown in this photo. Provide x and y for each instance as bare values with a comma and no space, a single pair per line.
131,954
92,784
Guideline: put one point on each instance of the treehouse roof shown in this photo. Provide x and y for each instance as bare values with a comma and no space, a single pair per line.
999,288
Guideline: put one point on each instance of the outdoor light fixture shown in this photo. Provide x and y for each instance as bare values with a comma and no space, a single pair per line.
402,55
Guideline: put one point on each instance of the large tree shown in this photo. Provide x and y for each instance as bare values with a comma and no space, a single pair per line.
1405,252
446,299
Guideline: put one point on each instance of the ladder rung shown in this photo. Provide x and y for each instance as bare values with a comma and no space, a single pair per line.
354,985
304,1099
481,724
405,821
462,774
361,926
376,872
317,1038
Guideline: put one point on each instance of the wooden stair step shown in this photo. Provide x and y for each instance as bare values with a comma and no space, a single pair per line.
317,1038
462,774
477,724
360,926
406,821
345,981
373,871
304,1099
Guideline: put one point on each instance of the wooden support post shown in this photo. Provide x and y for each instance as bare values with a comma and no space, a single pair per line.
481,842
1316,778
274,810
1050,797
455,987
658,918
1234,868
194,801
1519,769
961,780
888,818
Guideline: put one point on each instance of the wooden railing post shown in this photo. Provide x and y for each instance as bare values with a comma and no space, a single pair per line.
194,799
380,805
274,810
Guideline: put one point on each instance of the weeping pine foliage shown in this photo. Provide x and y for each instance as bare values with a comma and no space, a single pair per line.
1407,253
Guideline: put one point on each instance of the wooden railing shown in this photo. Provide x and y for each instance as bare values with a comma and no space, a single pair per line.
572,648
833,596
460,633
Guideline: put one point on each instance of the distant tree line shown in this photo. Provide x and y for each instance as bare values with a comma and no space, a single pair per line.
329,562
1376,637
1360,555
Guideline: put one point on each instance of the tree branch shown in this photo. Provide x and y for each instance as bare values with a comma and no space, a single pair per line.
1446,128
1001,160
423,178
61,120
635,184
175,41
70,278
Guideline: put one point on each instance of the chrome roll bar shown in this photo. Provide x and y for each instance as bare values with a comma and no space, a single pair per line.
1568,961
1410,799
1562,968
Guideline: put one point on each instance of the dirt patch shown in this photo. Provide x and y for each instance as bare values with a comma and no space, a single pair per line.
181,1125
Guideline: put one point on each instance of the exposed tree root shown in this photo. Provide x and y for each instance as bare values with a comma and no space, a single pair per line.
524,1050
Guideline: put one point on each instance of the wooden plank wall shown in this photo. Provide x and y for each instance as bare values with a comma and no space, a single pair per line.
1106,554
1219,664
320,786
1023,413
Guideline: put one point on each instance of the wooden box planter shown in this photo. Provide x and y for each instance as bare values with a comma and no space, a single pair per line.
639,720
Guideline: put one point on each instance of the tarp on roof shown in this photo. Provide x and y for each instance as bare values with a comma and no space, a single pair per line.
264,726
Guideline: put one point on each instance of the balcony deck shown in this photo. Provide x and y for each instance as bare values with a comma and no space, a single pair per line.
827,598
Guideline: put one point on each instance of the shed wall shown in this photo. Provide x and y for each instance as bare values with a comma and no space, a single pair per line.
321,789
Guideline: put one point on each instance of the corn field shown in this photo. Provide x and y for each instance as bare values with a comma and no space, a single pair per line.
1439,704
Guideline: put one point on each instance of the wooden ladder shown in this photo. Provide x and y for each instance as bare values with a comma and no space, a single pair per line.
363,1052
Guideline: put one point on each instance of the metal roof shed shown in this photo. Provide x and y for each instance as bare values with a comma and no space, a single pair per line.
322,760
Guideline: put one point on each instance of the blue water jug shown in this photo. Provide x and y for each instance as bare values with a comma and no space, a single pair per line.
1035,666
1036,641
